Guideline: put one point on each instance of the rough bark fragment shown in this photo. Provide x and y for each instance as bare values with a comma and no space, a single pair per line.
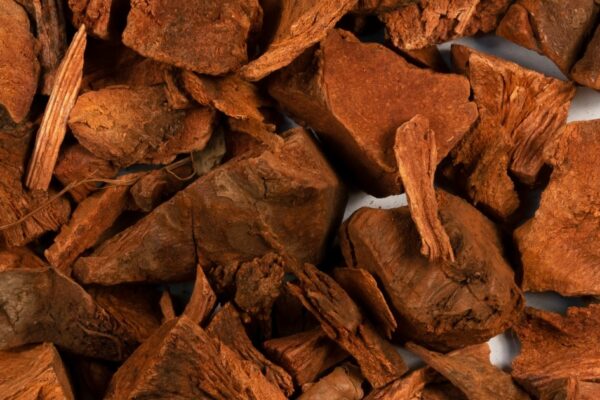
203,299
374,6
416,155
19,257
362,287
176,95
487,16
181,360
101,17
54,123
290,317
35,372
227,326
475,297
522,113
301,25
567,224
428,57
19,66
42,305
206,37
166,306
156,186
343,383
343,322
305,355
555,28
587,70
346,97
559,354
410,387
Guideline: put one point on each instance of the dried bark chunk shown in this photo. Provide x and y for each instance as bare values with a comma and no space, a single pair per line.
521,113
181,360
19,257
301,25
76,163
19,66
554,28
475,297
560,355
103,18
305,355
343,383
166,306
587,70
203,299
428,57
416,155
128,125
227,326
35,372
157,186
343,322
374,6
41,305
567,224
347,98
362,287
206,37
487,16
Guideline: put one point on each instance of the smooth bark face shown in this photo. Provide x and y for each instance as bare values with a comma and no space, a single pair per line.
444,305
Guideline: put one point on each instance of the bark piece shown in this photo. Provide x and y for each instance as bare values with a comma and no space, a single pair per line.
375,6
475,297
487,16
54,123
76,163
416,155
428,57
305,355
290,317
19,257
103,18
560,355
34,372
206,37
361,285
92,376
129,125
567,223
329,96
166,306
343,322
182,361
343,383
301,25
159,185
41,305
203,299
19,66
554,28
587,70
522,113
227,326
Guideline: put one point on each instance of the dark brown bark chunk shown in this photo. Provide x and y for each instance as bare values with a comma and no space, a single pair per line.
560,355
343,383
475,297
35,372
347,98
203,300
227,326
156,186
567,224
555,28
206,37
521,113
587,70
181,360
102,18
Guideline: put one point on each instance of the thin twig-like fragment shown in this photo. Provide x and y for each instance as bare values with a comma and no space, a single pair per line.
166,306
203,299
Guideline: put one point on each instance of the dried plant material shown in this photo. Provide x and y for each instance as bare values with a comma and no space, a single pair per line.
76,163
54,123
301,25
587,70
428,57
560,355
567,223
34,373
554,28
487,16
522,113
129,125
362,287
410,387
305,355
375,6
42,305
343,383
19,257
92,375
346,97
174,91
476,296
210,39
203,300
416,155
227,326
290,317
166,306
343,322
181,360
478,379
103,18
159,185
261,134
210,157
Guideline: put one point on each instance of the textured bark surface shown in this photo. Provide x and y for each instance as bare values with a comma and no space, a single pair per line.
343,383
206,37
103,18
522,113
19,257
560,355
487,16
587,70
346,97
476,296
567,224
35,372
203,300
159,185
182,361
374,6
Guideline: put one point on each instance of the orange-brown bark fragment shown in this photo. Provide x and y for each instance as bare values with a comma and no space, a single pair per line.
101,17
587,70
157,186
343,383
203,300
